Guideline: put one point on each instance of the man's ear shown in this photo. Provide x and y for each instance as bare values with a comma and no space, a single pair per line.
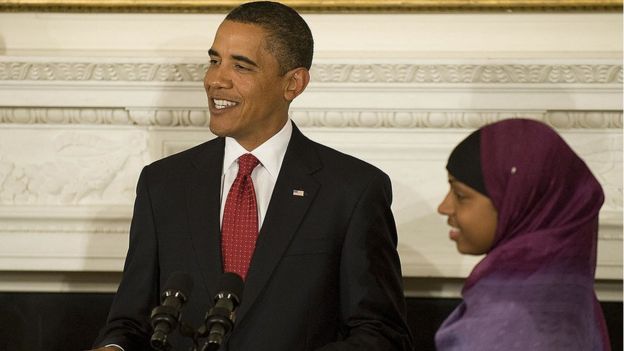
296,82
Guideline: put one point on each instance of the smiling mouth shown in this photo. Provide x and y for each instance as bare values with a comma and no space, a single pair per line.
454,233
220,104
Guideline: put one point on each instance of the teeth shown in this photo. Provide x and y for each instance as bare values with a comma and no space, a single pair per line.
220,104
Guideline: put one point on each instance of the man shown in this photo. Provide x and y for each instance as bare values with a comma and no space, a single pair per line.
323,271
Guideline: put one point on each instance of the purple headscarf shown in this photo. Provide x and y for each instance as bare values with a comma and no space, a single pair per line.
534,290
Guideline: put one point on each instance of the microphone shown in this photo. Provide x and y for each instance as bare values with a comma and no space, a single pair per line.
220,318
164,318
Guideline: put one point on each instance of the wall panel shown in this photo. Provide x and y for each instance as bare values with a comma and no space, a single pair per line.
87,99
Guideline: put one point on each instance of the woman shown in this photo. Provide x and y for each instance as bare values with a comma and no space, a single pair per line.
521,196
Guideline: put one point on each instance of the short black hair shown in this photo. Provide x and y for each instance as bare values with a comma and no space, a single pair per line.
289,38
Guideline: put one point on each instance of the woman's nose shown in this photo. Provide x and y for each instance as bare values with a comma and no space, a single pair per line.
446,206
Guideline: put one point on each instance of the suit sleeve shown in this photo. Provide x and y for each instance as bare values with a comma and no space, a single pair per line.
373,314
128,320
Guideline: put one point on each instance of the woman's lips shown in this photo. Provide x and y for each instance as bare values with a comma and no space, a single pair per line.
454,233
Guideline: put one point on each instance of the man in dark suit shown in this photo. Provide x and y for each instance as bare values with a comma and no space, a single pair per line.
324,272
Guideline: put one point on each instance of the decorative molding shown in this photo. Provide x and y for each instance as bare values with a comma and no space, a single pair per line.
115,72
78,120
78,220
108,282
71,168
95,226
87,116
27,227
311,5
311,118
467,73
325,73
452,119
610,230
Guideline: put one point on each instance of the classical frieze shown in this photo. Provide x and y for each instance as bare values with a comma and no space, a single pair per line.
74,136
467,73
311,118
70,167
66,191
452,119
325,73
87,71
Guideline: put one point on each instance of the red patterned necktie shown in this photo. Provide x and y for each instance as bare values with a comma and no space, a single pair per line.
240,219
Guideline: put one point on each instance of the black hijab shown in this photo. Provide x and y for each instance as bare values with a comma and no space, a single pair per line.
464,163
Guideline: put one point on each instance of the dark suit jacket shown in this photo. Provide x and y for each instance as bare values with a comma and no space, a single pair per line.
325,272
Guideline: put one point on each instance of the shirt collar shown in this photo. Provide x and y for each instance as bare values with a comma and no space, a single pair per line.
270,153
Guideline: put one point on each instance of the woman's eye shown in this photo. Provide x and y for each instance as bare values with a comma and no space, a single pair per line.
459,196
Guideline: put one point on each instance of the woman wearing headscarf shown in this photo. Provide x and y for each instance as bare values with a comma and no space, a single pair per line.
520,195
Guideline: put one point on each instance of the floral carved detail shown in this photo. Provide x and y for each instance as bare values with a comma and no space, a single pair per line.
80,169
325,73
102,71
490,74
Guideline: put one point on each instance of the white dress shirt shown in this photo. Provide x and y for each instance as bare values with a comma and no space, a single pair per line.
270,154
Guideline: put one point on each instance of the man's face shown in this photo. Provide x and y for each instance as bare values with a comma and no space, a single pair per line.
244,88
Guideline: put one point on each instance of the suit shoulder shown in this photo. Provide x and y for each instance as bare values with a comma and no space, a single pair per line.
184,155
342,163
180,161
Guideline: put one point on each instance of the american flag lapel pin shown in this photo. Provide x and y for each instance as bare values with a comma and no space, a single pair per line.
297,192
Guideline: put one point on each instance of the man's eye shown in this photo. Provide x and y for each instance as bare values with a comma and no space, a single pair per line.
213,62
240,67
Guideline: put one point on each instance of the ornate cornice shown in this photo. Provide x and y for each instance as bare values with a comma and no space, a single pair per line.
324,73
311,118
311,5
467,73
107,72
452,119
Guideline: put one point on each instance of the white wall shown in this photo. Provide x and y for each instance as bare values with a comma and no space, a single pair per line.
87,99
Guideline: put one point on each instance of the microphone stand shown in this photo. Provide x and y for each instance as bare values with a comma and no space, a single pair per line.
219,319
190,332
218,323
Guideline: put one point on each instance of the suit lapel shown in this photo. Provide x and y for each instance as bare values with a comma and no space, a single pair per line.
284,214
203,194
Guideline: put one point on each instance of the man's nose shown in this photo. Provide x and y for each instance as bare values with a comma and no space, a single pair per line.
217,77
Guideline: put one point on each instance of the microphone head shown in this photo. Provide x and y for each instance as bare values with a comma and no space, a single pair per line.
179,282
231,284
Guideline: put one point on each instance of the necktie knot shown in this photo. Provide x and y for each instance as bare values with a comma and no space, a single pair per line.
246,164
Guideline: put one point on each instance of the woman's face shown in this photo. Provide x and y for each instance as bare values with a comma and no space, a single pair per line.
472,218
